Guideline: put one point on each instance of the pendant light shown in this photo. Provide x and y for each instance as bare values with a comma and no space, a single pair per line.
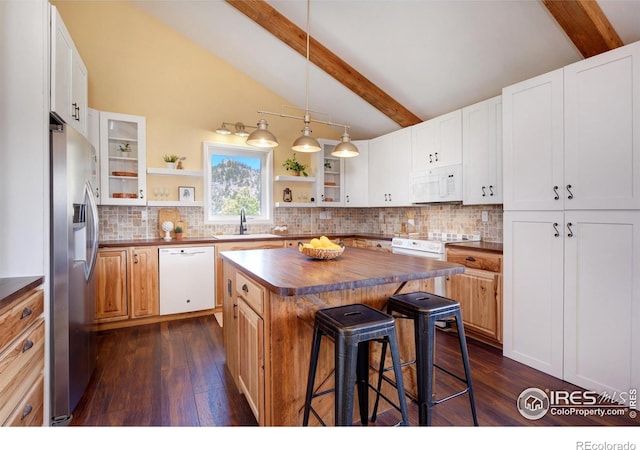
262,137
306,143
346,148
239,127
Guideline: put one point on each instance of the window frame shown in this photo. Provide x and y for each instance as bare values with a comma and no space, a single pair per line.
210,148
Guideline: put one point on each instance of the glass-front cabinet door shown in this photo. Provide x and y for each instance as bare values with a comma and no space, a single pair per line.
330,176
122,159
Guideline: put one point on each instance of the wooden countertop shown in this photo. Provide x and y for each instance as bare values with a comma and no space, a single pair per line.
12,288
213,241
495,247
288,272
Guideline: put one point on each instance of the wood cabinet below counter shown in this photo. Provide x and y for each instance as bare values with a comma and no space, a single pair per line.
479,291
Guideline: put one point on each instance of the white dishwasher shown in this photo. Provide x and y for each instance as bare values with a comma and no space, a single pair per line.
187,279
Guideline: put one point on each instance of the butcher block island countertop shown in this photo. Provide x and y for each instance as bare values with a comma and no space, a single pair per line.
269,306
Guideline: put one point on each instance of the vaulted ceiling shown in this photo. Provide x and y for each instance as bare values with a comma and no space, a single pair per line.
379,65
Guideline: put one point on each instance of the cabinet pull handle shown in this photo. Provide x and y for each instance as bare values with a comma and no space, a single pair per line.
389,197
379,245
135,258
570,193
27,410
570,234
385,197
229,291
470,258
490,191
141,194
484,194
555,227
97,192
436,156
430,158
27,345
26,312
555,190
75,110
245,288
235,309
347,198
78,113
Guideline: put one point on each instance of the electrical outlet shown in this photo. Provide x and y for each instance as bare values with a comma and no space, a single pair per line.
485,216
143,216
325,215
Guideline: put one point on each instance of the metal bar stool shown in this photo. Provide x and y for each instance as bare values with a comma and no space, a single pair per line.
425,309
352,327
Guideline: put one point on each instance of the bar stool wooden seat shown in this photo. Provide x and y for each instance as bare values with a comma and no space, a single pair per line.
425,309
352,328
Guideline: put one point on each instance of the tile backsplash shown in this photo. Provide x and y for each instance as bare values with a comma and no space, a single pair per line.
129,222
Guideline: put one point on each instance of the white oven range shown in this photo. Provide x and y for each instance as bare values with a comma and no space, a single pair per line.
433,247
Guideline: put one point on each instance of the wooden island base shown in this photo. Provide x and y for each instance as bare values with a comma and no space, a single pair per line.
268,331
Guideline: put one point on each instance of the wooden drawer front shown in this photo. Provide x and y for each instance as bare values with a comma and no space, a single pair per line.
476,260
252,293
29,412
20,365
21,316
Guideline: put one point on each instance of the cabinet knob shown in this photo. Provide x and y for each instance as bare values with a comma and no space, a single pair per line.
27,345
27,410
245,288
26,313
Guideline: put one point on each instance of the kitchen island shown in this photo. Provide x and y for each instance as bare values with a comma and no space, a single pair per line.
269,306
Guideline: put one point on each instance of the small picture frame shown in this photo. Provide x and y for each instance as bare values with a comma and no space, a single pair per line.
187,194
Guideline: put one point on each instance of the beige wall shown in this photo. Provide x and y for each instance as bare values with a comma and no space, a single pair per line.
139,66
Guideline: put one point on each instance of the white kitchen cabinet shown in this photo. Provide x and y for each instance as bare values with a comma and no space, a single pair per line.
533,289
389,168
330,175
93,134
572,295
122,159
69,78
577,130
533,143
572,136
437,142
356,177
482,152
602,130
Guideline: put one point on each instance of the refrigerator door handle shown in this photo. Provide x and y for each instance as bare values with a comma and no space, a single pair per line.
92,239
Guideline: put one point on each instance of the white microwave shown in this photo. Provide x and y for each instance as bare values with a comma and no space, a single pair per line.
441,184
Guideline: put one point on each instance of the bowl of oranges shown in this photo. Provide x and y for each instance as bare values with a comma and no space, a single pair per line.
321,248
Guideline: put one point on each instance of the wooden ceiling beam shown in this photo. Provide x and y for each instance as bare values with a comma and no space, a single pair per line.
271,20
585,24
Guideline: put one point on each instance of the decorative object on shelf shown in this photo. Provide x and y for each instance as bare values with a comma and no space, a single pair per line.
167,227
170,160
179,165
287,195
187,194
239,129
178,232
294,166
262,137
125,148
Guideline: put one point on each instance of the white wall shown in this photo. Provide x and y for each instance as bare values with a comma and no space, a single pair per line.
24,146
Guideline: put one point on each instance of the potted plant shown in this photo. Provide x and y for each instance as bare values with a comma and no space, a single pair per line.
171,160
178,232
294,166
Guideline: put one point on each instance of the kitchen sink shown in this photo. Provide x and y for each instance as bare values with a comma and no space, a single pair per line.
245,236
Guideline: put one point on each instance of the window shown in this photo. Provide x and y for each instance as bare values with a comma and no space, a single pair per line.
237,177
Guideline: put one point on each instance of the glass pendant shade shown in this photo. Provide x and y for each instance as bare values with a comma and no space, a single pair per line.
346,148
262,137
306,143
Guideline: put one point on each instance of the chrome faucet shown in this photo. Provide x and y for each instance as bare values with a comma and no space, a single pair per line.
243,221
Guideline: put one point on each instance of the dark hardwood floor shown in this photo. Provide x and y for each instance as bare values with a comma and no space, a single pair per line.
174,374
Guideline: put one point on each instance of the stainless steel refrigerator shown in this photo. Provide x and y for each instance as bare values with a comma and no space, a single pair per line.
74,246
